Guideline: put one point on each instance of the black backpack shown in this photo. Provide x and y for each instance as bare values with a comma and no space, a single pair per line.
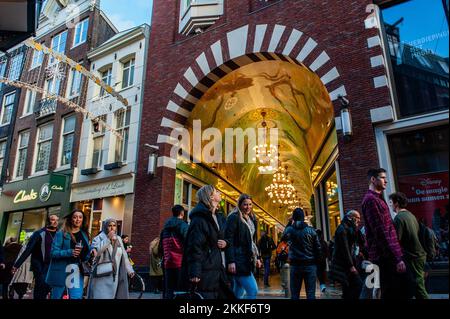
428,241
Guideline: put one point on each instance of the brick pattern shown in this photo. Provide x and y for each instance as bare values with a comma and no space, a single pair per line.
340,32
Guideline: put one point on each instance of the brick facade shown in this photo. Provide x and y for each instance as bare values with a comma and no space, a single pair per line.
337,27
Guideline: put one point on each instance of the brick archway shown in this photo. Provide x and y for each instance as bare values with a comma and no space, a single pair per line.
239,47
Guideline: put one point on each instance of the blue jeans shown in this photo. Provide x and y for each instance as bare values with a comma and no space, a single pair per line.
245,284
266,270
300,273
75,290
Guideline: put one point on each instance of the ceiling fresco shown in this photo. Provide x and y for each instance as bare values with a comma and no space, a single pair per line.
294,101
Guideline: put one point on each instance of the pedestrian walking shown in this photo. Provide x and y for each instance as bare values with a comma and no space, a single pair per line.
203,259
304,255
266,246
11,251
109,277
39,247
173,236
156,271
383,246
69,249
322,265
343,265
242,253
414,255
22,276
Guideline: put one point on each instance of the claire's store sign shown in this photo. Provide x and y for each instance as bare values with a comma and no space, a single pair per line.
426,194
102,190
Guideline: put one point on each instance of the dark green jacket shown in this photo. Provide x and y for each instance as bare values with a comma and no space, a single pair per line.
408,235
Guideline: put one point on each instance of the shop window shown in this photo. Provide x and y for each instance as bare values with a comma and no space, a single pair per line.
14,225
32,221
189,195
332,202
123,129
417,35
44,145
22,150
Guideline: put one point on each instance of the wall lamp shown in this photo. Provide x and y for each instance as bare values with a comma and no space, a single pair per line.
346,118
152,159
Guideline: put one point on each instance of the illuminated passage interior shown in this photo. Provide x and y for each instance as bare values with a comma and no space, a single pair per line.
272,94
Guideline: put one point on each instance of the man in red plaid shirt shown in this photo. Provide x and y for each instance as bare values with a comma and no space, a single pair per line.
383,246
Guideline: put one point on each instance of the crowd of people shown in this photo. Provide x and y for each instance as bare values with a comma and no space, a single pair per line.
217,257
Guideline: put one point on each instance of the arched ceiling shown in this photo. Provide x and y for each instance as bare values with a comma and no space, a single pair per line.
296,102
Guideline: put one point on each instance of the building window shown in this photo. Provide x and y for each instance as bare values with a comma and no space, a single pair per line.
128,73
75,83
22,150
52,86
190,190
67,140
97,149
58,44
44,145
2,154
81,30
30,100
417,35
15,67
123,129
38,58
7,108
2,71
107,78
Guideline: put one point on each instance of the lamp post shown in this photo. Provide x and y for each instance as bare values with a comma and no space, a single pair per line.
152,159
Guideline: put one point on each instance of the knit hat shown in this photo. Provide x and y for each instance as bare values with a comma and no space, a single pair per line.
298,215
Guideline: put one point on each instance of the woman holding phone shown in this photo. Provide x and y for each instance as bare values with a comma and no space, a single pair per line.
109,278
69,249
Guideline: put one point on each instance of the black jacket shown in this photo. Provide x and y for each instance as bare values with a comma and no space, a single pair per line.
36,248
239,244
304,244
266,246
342,260
202,258
2,258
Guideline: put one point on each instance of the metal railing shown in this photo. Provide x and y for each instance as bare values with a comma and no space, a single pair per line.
45,107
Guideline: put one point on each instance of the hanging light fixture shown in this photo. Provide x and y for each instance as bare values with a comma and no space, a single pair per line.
265,153
282,190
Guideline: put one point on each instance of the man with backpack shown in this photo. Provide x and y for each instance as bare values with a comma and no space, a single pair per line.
172,240
414,255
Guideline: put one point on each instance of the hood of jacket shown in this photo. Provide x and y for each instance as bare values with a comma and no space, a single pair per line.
300,225
173,222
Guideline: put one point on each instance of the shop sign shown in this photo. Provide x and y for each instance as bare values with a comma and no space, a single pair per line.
58,182
45,192
113,188
22,196
427,194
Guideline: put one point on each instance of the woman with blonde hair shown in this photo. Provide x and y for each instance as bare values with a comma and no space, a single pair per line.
109,277
242,252
70,249
205,244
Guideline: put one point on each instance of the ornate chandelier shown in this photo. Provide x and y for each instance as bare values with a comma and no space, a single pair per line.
282,190
266,154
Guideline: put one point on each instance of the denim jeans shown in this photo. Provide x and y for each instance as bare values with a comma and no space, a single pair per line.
300,273
266,270
75,290
172,280
245,284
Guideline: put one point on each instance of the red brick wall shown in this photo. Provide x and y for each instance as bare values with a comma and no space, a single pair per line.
339,29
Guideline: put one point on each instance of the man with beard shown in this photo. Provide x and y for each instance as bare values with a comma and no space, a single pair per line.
39,246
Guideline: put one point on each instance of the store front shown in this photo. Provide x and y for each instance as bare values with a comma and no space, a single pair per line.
25,205
102,200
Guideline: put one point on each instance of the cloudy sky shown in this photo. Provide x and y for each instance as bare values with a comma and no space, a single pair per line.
126,14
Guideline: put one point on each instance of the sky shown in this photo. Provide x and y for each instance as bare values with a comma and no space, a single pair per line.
422,18
126,14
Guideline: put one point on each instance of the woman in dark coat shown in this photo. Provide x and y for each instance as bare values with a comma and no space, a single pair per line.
11,251
242,253
203,258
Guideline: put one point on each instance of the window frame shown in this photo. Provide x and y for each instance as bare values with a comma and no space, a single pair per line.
30,97
2,111
80,24
62,138
19,153
97,135
15,66
37,148
132,61
39,56
3,156
52,60
102,71
120,128
74,74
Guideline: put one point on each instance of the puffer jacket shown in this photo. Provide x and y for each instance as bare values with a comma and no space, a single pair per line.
304,244
173,236
202,257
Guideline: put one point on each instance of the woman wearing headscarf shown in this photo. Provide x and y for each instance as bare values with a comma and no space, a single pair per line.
70,249
203,258
109,277
242,254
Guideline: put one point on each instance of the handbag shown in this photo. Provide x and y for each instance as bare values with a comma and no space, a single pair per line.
104,268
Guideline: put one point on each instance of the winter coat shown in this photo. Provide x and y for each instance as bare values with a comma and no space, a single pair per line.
11,251
113,286
61,257
239,248
266,246
155,259
304,244
173,237
23,273
343,259
35,247
202,258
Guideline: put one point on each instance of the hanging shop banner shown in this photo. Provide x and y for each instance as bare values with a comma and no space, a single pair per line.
58,182
427,195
